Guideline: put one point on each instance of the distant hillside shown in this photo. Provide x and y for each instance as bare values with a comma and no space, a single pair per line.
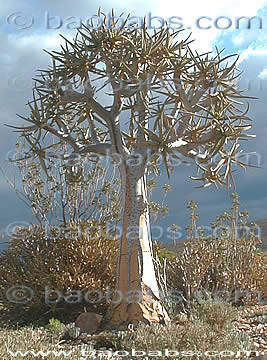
263,226
263,245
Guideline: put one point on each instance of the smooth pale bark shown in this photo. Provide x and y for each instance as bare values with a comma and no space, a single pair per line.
137,295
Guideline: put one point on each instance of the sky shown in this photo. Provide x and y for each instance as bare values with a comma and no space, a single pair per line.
28,27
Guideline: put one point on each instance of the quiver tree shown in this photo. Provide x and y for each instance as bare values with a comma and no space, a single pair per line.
166,103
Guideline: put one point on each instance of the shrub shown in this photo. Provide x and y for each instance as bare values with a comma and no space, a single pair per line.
229,266
54,324
217,315
72,260
72,190
197,335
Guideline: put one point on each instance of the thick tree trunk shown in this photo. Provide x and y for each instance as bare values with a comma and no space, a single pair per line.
137,295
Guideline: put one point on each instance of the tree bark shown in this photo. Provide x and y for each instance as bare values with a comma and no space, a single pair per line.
137,295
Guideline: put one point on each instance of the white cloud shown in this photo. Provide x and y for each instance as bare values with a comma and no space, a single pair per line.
263,74
190,11
246,36
47,41
252,51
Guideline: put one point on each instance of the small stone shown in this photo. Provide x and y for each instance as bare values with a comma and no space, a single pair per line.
88,322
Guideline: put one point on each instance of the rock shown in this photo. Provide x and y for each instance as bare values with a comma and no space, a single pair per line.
88,322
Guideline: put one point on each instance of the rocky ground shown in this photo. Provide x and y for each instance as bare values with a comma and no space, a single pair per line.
251,320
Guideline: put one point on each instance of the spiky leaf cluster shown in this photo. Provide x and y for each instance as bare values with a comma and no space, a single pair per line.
163,99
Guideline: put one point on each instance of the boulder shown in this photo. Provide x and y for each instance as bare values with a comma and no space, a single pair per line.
88,322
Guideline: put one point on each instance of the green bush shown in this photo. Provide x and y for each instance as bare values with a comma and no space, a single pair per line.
54,324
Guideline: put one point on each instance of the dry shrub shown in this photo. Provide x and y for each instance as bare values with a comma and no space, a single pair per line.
210,266
230,270
79,258
229,267
192,339
195,336
217,315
